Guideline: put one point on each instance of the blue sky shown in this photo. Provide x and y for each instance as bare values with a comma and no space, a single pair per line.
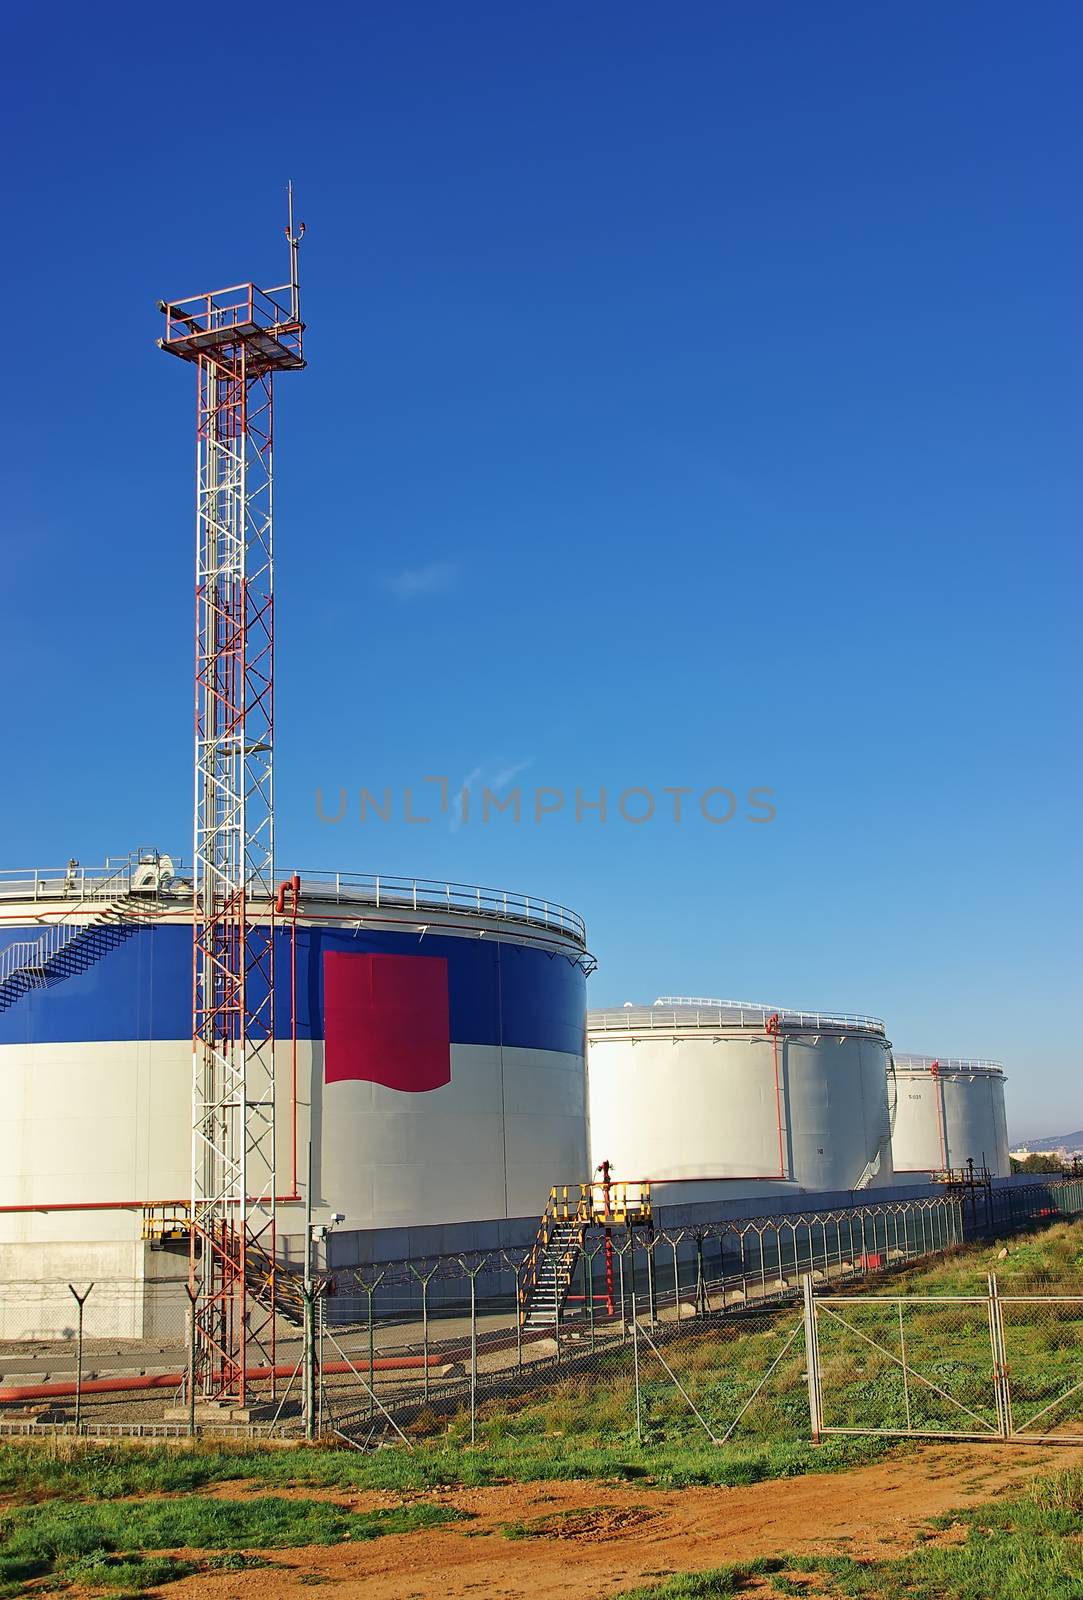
693,401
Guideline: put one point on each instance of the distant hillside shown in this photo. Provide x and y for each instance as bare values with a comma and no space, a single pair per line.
1056,1141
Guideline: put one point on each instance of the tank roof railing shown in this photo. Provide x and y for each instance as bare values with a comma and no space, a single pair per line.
784,1013
424,894
671,1011
945,1064
114,877
77,882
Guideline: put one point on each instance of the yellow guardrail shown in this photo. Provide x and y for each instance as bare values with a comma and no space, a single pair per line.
164,1222
601,1202
590,1205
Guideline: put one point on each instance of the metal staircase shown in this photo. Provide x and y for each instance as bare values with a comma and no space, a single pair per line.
120,901
275,1287
554,1270
545,1279
272,1285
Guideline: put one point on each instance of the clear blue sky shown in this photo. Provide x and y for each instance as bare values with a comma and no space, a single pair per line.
694,399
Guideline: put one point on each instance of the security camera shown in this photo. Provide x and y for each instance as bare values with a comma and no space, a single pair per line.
337,1217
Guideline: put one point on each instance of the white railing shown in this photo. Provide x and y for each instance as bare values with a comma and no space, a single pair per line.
424,894
239,305
945,1064
31,955
76,884
92,890
672,1011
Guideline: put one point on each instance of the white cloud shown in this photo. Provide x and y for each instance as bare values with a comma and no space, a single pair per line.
506,774
412,582
488,776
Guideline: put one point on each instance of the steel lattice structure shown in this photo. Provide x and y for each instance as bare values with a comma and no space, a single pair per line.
238,339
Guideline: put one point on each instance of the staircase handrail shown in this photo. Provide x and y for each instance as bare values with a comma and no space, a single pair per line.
618,1201
57,935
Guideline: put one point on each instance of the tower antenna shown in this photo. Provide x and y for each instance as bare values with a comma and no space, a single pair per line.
238,339
294,240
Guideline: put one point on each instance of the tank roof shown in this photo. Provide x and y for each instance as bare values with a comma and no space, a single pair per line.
911,1063
423,894
690,1013
75,889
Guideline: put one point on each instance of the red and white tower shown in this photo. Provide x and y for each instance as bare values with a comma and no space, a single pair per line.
238,339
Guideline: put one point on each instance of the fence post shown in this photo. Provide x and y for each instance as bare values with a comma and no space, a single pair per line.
309,1380
1000,1362
518,1327
473,1357
80,1300
372,1347
425,1331
905,1369
588,1291
193,1296
423,1278
319,1365
812,1361
635,1368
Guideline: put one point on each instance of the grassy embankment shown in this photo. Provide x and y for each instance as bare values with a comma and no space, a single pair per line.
73,1510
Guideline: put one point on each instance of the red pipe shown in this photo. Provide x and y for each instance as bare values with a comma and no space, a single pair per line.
295,885
173,1380
771,1026
938,1091
117,1205
400,923
605,1169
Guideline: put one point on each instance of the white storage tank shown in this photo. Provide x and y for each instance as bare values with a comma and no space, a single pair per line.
949,1111
435,1058
693,1094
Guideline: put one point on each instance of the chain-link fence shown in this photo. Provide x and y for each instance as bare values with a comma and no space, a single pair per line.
950,1366
697,1323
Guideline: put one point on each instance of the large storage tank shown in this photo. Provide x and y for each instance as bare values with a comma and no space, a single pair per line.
696,1093
949,1111
438,1064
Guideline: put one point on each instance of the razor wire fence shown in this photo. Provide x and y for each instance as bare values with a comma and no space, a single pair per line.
445,1342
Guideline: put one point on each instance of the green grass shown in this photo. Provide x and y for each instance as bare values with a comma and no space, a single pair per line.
718,1581
133,1573
1050,1254
100,1542
1027,1547
579,1427
34,1471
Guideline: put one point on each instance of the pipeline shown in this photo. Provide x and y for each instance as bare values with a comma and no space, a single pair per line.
12,1395
771,1026
116,1205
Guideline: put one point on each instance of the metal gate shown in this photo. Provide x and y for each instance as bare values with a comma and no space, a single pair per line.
988,1366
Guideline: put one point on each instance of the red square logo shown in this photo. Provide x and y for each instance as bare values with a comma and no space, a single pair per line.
385,1020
